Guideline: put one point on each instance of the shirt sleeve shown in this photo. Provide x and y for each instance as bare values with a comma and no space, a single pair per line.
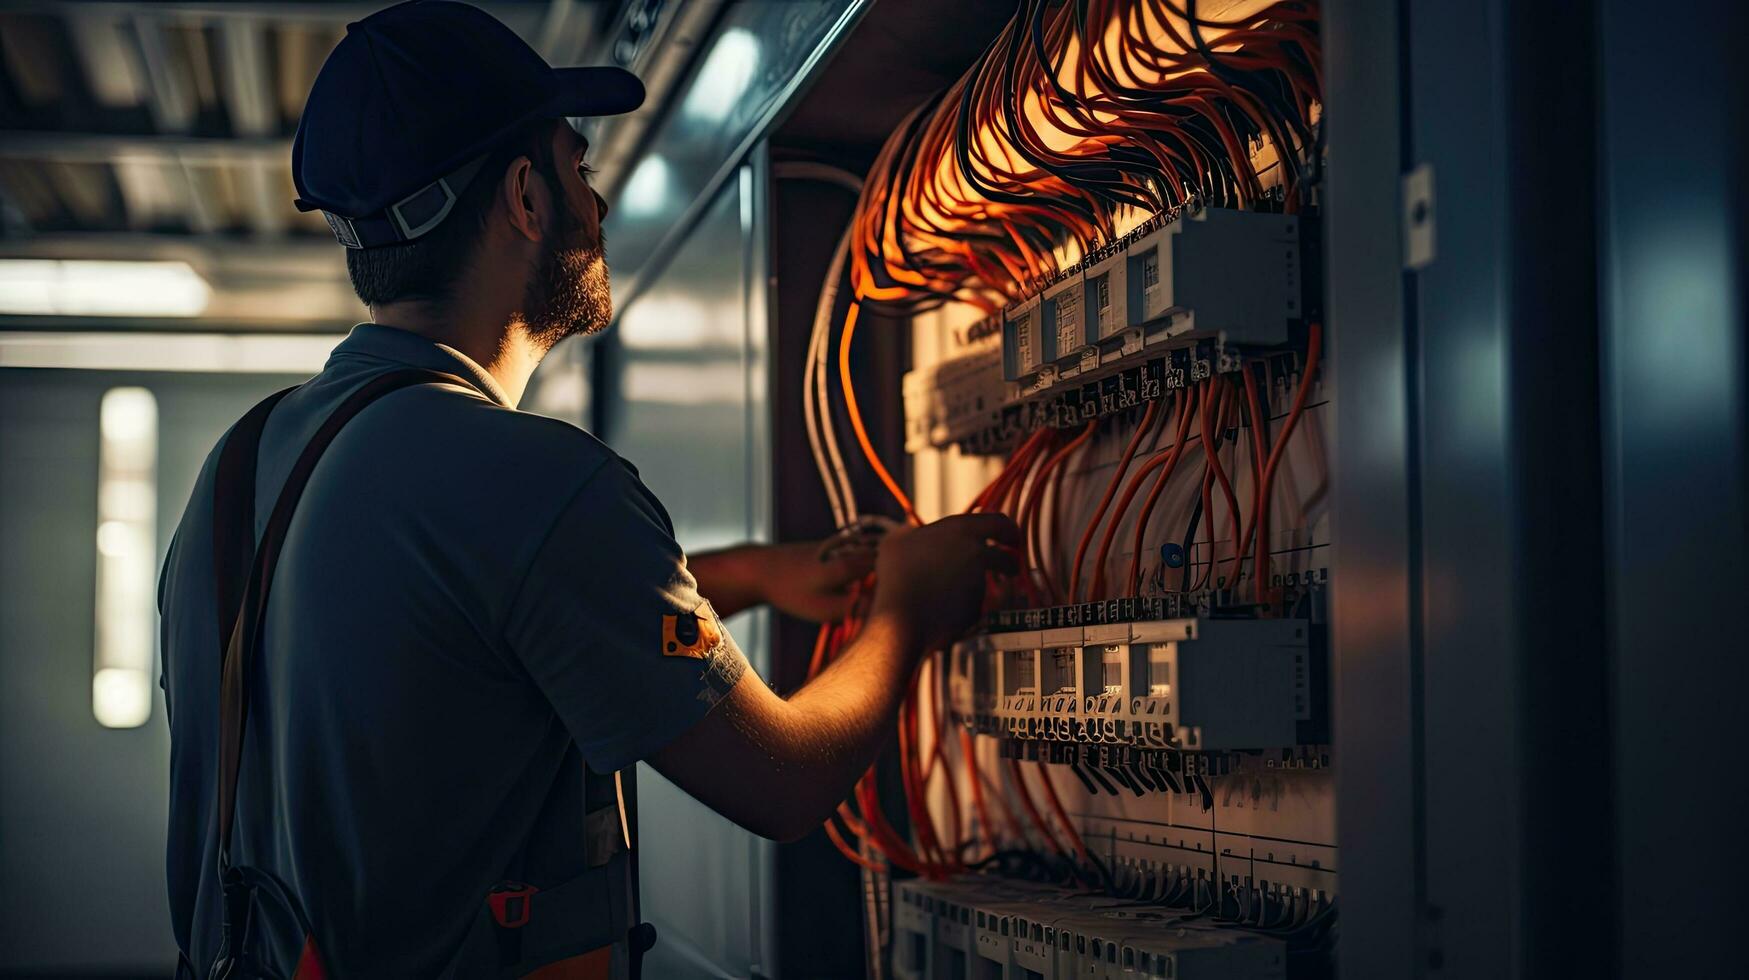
610,624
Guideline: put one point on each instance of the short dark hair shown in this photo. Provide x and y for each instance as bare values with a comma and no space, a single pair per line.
428,267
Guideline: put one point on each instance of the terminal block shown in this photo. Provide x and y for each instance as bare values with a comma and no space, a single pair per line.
1230,277
955,400
1218,273
1064,308
1026,346
984,927
1193,684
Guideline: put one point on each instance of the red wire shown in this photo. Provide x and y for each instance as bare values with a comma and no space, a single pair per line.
1029,509
1063,817
1032,814
1123,465
1216,398
969,750
1314,347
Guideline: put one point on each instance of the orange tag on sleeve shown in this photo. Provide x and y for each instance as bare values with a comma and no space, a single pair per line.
693,634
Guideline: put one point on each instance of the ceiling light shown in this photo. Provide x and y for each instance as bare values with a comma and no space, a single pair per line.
81,287
727,72
139,350
647,188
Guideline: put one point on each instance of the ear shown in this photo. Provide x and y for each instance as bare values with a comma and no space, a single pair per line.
523,199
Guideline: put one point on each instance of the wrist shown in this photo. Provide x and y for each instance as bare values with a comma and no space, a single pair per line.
897,620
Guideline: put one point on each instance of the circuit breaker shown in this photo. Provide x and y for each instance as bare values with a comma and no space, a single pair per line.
986,928
1194,684
1233,277
1218,273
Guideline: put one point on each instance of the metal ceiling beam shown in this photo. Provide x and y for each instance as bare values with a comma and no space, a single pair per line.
521,16
147,185
293,253
248,93
111,62
103,148
332,13
171,98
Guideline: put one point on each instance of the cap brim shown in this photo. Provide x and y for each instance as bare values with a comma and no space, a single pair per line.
603,91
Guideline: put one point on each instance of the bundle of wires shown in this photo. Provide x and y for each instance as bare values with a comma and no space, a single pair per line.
1078,114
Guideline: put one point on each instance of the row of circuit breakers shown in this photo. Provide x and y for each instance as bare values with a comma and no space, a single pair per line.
980,928
1190,684
1167,306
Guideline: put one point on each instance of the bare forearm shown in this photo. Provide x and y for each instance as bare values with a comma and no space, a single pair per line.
791,577
729,577
847,712
801,755
778,767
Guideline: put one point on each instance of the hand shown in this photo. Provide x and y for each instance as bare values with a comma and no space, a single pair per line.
933,577
796,580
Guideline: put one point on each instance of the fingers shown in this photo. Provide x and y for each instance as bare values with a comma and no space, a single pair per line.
994,527
1002,559
847,566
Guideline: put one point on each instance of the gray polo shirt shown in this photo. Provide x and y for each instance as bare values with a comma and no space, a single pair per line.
472,601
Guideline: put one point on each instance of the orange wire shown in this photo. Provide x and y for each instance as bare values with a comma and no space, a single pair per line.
846,850
855,414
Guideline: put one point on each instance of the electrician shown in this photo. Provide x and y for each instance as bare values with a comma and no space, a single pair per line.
479,618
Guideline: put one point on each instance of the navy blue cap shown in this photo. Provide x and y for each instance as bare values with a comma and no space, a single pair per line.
411,99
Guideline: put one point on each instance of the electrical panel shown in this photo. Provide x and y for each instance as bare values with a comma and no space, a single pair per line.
1117,342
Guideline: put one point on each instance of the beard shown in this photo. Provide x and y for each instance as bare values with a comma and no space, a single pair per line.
569,293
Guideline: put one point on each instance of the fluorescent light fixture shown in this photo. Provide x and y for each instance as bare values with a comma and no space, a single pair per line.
669,383
127,556
675,322
80,287
724,78
647,188
208,353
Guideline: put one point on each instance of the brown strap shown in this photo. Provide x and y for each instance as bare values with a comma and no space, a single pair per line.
234,513
244,636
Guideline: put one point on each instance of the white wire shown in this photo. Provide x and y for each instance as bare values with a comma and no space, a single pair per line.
822,342
816,412
811,411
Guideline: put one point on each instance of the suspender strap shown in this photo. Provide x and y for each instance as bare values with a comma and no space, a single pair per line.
245,635
242,576
234,513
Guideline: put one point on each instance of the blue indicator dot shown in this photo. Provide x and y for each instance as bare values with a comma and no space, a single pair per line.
1172,555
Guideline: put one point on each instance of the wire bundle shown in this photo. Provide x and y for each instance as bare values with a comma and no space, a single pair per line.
1177,432
1078,114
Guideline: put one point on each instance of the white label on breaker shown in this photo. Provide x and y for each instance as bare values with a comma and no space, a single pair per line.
1069,328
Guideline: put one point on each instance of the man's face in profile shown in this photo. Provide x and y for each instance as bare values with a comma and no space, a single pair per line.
569,292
